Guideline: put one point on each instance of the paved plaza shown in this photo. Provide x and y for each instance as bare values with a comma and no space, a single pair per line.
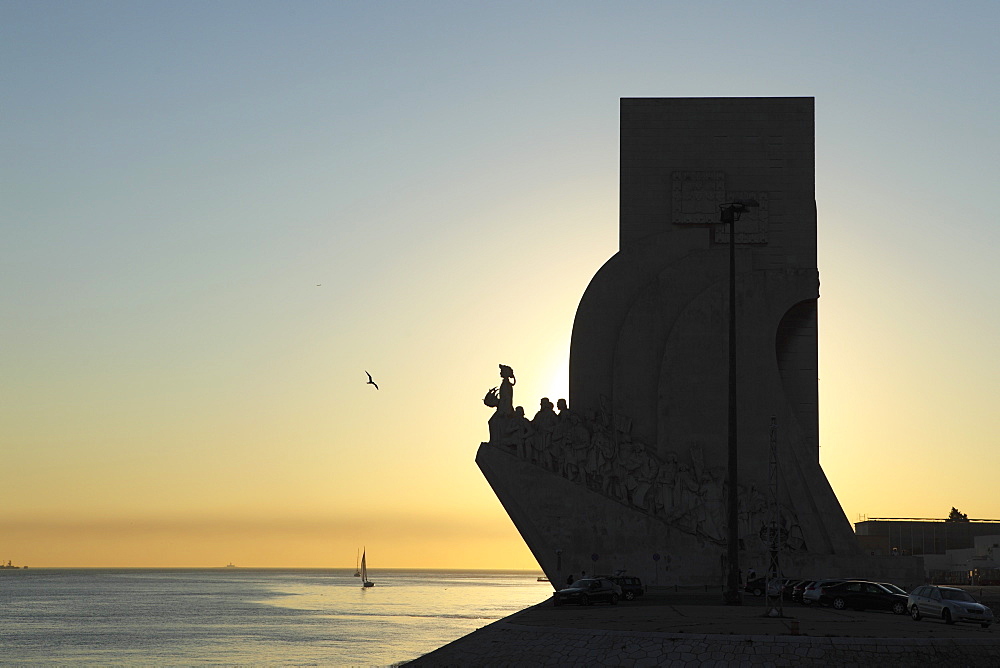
697,630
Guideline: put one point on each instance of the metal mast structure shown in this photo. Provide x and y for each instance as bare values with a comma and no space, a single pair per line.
775,531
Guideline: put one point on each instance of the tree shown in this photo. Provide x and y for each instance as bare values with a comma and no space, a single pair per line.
956,516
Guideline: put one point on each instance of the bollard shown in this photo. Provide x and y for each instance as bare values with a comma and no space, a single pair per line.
793,627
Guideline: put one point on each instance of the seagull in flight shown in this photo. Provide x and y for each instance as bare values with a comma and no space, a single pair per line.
370,381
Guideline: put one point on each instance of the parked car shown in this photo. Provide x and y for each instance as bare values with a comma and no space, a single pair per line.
631,586
893,588
948,603
587,591
755,586
862,595
787,588
811,593
758,586
778,586
799,590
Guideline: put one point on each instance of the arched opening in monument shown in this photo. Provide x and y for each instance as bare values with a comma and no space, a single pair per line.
795,345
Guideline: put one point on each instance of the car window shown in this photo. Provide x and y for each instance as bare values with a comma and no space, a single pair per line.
854,586
957,595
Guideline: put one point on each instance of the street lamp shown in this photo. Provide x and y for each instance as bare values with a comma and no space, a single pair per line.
730,213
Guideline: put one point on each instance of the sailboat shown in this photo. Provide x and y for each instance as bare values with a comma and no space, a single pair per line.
357,570
365,582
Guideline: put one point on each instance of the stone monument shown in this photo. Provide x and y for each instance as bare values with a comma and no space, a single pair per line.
630,474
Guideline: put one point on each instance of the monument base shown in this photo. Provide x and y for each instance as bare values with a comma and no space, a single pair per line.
572,530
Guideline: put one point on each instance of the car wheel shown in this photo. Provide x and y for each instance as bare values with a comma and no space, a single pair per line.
614,599
985,625
584,599
899,608
839,603
947,616
629,595
915,613
757,591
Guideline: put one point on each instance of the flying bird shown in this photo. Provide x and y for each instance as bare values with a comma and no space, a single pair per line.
370,381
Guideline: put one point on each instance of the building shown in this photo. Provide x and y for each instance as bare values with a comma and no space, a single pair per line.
919,536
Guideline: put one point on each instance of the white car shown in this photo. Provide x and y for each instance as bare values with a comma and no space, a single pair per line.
948,603
812,592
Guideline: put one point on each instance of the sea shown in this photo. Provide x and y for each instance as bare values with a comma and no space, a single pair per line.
246,616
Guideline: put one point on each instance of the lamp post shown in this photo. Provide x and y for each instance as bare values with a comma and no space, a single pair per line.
730,214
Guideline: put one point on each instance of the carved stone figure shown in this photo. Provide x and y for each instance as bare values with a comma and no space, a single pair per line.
666,481
600,464
713,493
645,495
562,438
523,431
578,449
502,398
545,422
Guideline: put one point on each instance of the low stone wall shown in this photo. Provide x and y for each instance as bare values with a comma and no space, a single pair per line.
504,644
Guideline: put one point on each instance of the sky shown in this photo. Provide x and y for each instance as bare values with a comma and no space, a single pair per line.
217,216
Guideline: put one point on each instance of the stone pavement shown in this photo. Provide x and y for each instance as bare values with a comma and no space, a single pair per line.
699,631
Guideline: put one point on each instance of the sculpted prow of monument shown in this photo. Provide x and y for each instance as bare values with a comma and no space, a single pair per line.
630,474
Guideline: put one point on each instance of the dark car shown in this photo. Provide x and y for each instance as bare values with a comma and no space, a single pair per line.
755,586
588,591
631,586
799,589
893,588
862,595
784,587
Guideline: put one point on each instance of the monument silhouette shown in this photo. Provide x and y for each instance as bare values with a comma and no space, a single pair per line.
631,473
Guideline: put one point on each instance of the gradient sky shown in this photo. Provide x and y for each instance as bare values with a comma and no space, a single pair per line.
216,216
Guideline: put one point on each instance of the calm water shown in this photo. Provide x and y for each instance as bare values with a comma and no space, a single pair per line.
246,616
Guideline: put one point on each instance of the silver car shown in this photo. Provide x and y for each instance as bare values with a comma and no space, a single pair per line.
812,592
948,603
